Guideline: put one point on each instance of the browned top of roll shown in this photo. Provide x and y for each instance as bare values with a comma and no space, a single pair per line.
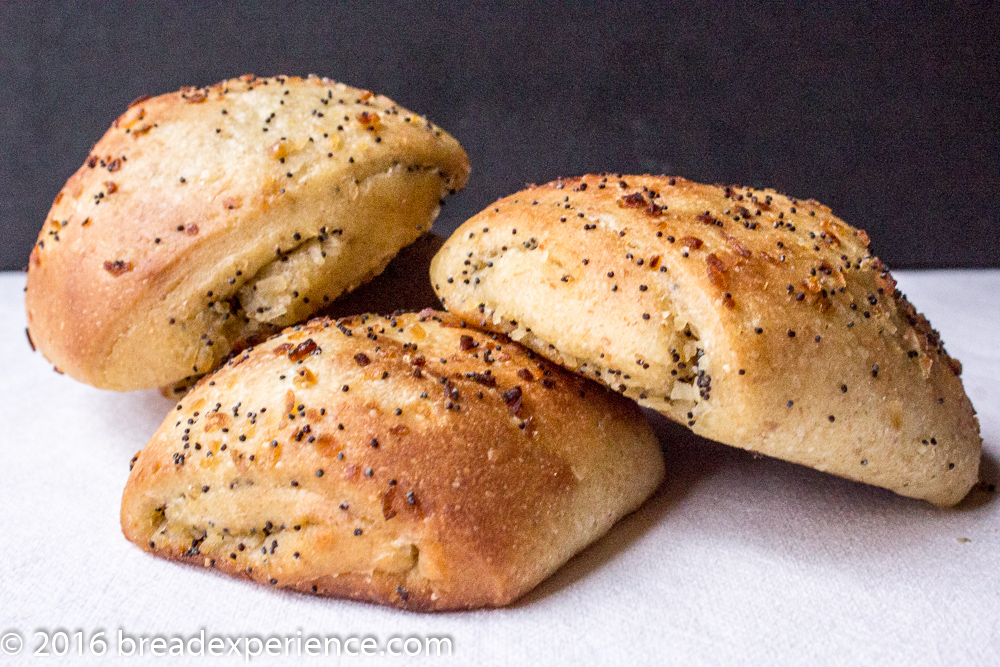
404,460
210,217
756,319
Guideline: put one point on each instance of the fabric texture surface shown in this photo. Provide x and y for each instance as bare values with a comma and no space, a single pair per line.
735,560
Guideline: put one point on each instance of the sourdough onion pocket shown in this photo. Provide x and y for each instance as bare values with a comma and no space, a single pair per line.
403,460
757,320
209,218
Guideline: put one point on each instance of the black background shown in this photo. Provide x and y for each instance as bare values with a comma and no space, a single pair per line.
886,114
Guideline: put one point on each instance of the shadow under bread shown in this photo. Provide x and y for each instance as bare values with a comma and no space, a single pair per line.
689,460
886,527
985,491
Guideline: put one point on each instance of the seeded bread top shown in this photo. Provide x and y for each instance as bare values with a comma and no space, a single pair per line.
211,217
406,460
758,320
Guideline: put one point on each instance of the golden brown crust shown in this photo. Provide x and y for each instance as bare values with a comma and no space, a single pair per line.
758,320
403,460
208,218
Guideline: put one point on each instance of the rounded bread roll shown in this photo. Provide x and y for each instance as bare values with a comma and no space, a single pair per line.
210,218
402,460
758,320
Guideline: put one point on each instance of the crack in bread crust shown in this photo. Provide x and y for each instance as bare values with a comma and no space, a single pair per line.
290,287
635,371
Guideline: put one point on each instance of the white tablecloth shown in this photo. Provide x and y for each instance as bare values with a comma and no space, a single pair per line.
735,560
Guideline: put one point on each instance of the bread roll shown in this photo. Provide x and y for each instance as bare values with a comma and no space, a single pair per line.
758,320
210,218
402,460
